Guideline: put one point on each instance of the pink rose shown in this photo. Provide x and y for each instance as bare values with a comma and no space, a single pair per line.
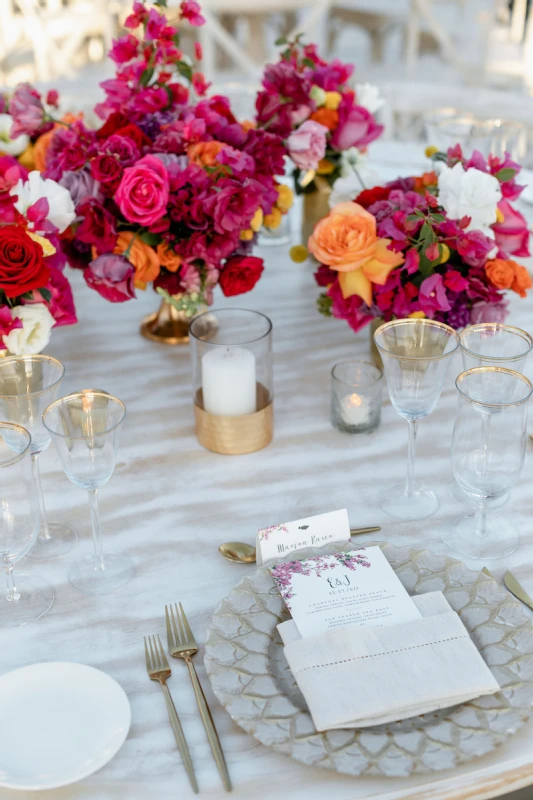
143,192
111,276
357,126
27,111
307,145
512,235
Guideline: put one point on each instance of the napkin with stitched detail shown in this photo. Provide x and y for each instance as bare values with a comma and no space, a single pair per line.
354,677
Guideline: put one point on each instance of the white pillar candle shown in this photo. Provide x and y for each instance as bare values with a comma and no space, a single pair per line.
355,410
229,382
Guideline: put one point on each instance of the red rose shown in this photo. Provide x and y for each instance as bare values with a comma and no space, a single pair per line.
114,121
106,169
370,196
22,266
240,274
97,226
133,132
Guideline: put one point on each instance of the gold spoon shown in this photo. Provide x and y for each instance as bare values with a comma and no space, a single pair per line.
244,553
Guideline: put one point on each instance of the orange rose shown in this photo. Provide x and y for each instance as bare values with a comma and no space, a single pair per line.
501,273
522,280
143,258
205,153
327,117
376,270
168,258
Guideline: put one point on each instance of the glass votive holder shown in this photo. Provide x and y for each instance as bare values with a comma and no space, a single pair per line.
356,388
231,352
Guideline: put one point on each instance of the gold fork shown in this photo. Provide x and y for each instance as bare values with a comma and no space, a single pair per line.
182,644
159,670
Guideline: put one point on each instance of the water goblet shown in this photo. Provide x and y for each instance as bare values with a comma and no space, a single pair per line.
27,598
85,430
415,354
488,449
28,384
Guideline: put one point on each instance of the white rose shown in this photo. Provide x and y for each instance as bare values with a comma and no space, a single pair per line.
37,322
9,146
61,208
470,193
368,96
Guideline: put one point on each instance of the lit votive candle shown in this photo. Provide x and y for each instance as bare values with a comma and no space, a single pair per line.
229,381
356,396
355,410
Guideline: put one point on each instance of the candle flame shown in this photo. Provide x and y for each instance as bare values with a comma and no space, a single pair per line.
355,401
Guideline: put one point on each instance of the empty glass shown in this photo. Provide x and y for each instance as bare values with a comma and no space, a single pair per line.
415,355
85,430
28,384
29,598
488,448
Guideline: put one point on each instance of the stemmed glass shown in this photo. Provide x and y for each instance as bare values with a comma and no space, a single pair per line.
488,448
415,354
28,384
29,598
85,430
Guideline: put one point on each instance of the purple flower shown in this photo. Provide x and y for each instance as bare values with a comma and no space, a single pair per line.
432,296
27,111
81,185
111,276
489,312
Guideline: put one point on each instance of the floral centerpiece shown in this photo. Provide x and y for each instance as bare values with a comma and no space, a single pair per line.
171,189
323,122
439,246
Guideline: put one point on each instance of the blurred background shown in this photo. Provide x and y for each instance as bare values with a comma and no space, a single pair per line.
448,69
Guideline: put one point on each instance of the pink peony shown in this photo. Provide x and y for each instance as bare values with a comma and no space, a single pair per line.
27,111
357,126
307,145
432,296
61,303
488,312
7,324
143,192
512,235
111,276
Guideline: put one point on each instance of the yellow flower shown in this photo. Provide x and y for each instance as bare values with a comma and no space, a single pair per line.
325,167
445,254
273,220
298,253
48,247
333,100
416,315
257,220
430,151
27,158
247,236
285,197
499,215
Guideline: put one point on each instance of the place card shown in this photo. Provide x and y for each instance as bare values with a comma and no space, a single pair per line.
280,540
355,588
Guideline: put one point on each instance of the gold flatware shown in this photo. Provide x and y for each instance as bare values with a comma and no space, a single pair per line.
159,670
488,573
244,553
182,644
517,589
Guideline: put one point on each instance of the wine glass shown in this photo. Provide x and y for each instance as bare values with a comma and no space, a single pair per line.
488,448
415,354
85,430
492,344
28,598
28,384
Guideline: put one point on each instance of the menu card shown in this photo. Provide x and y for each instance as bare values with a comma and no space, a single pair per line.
280,540
354,588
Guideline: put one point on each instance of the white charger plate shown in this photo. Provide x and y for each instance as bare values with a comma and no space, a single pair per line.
60,723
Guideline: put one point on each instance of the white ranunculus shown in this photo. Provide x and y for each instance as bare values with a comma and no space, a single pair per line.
37,323
470,193
9,146
368,96
61,212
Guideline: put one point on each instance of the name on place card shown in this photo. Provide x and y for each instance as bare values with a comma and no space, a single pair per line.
355,588
280,540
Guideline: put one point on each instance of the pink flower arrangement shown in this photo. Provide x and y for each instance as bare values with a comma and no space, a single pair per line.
438,246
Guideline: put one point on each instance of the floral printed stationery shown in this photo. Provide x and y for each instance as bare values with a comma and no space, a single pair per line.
355,588
280,540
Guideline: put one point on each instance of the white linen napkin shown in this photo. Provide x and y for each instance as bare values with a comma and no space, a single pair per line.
354,677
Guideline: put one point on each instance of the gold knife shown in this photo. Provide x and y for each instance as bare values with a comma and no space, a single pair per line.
517,589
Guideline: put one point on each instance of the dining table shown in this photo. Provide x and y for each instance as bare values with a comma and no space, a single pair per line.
170,504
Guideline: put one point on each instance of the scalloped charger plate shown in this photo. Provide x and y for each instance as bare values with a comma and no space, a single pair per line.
251,678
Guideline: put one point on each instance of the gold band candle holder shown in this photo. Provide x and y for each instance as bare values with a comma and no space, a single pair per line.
231,353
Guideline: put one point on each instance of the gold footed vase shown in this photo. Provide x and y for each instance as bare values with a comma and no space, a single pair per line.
167,325
315,208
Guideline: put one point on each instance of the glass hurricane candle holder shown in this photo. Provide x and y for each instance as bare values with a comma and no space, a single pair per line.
231,353
356,388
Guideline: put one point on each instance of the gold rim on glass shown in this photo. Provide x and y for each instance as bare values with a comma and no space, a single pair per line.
501,370
14,427
80,395
417,322
484,326
233,310
39,358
